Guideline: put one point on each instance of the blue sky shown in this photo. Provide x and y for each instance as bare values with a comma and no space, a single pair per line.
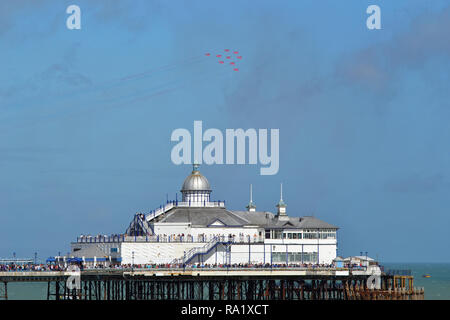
86,116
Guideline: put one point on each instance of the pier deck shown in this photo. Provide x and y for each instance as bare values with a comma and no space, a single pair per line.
218,284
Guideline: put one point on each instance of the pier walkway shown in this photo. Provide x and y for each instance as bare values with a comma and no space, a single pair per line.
11,276
217,284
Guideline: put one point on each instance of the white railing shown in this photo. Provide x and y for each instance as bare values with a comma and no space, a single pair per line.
163,238
101,238
203,204
156,213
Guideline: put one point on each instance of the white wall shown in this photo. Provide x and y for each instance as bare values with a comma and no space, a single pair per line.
172,228
148,252
154,252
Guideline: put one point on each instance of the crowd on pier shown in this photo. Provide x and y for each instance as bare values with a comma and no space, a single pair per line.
64,267
31,267
227,266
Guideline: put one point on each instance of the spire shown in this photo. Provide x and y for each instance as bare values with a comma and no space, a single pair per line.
251,206
281,205
281,192
195,167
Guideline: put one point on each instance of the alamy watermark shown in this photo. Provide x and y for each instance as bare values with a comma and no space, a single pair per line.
236,143
374,281
374,20
73,22
74,280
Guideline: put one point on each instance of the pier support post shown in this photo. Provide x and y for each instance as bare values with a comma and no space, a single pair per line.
4,291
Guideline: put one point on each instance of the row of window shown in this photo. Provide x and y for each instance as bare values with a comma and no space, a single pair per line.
294,257
320,235
279,234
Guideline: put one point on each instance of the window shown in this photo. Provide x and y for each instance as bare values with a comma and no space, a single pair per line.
279,257
114,250
310,257
267,234
327,234
277,234
310,235
294,257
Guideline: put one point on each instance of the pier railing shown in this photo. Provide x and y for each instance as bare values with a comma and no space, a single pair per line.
396,272
167,239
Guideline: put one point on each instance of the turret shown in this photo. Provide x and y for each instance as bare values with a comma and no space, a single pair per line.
281,206
196,189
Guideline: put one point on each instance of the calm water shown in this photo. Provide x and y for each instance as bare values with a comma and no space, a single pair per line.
437,287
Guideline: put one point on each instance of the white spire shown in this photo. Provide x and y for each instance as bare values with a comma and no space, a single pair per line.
281,205
251,206
281,192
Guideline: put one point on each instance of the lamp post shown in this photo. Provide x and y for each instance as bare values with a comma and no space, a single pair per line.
35,258
367,262
132,261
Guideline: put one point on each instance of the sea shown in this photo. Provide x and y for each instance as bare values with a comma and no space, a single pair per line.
436,288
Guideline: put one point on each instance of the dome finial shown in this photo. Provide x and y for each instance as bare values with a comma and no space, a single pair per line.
195,167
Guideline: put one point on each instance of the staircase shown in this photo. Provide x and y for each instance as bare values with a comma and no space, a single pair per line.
156,213
228,254
139,221
191,254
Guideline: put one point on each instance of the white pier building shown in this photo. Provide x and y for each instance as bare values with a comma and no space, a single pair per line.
199,230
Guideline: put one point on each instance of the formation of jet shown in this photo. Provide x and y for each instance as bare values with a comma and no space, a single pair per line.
229,57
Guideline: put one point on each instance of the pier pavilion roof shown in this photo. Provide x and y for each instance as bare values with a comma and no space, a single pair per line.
199,216
203,216
270,220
